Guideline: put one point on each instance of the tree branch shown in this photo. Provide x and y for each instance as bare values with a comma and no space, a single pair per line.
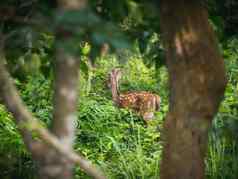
25,119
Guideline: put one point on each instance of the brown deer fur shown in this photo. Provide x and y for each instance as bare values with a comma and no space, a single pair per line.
142,102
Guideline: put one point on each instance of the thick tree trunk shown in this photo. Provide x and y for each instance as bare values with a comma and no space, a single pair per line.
65,102
64,117
197,82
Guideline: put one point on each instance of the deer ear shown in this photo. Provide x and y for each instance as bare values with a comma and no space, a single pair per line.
108,80
109,84
118,73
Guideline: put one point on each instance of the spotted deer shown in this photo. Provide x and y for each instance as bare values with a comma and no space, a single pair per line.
142,102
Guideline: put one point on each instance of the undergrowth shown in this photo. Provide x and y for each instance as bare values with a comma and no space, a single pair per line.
117,139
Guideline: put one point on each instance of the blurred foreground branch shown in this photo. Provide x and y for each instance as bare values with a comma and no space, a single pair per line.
28,124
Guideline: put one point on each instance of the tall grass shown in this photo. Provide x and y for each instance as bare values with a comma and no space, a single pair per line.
117,139
222,162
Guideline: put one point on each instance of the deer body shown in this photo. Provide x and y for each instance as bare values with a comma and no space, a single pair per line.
142,102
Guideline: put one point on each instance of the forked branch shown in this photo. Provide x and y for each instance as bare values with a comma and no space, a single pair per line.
28,124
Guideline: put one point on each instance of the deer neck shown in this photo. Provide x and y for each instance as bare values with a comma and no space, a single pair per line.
115,91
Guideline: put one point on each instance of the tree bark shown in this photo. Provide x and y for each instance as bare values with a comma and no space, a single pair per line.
197,82
64,116
65,102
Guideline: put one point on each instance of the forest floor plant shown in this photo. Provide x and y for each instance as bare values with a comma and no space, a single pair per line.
117,139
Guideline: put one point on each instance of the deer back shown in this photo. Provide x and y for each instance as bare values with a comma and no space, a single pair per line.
142,102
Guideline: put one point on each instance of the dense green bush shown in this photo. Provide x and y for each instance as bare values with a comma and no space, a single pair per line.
14,159
117,139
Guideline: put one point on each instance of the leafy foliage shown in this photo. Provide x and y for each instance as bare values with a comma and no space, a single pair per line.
14,159
116,139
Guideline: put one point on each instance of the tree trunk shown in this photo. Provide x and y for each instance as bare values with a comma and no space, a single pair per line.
64,117
65,102
197,82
